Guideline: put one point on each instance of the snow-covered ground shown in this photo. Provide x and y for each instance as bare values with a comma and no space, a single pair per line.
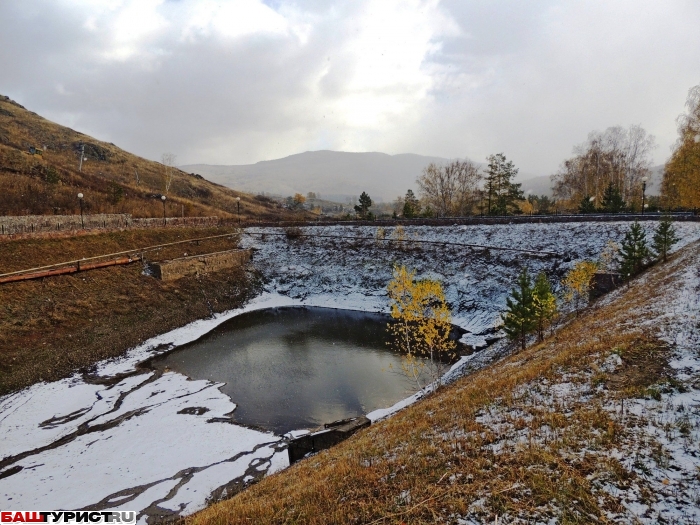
658,452
346,267
163,443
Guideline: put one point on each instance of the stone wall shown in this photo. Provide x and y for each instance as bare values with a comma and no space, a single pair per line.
51,223
195,264
29,224
174,221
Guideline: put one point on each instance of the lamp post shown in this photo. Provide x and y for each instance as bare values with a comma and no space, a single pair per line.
162,197
238,203
80,200
644,189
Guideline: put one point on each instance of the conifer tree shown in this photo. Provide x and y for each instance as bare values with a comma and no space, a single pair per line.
634,251
544,305
586,205
411,206
365,202
612,199
503,193
664,237
519,320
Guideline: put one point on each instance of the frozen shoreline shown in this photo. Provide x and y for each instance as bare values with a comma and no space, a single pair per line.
164,443
84,445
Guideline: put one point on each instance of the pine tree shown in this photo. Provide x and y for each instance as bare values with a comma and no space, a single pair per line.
411,206
503,194
544,304
362,208
664,237
634,251
586,205
612,199
519,320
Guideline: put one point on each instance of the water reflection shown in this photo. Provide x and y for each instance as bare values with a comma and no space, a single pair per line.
290,368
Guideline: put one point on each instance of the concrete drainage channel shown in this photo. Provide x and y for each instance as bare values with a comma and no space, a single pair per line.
331,434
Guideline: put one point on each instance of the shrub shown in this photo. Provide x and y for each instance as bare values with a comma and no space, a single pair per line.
293,233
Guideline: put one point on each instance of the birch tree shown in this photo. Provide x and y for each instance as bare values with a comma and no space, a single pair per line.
422,325
168,161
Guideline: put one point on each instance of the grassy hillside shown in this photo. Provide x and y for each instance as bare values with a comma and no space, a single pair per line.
50,328
590,426
49,183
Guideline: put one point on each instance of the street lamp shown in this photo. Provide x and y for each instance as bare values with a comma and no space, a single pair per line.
644,189
162,197
80,200
238,203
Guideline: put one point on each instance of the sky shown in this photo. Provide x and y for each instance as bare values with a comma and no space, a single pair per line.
240,81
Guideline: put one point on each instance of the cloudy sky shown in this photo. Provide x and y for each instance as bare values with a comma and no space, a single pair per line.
234,82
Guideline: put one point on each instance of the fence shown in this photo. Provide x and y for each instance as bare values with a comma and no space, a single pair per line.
476,219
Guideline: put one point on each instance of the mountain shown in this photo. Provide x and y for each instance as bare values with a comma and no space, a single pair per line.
336,175
40,173
541,185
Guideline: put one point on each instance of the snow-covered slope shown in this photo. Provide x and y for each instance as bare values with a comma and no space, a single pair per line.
347,267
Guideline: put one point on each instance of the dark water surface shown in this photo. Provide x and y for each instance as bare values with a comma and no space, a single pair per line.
301,367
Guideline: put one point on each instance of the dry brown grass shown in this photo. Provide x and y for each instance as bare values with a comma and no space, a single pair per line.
46,184
51,327
499,442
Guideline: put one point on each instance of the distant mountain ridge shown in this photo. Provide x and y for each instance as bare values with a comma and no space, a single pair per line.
336,174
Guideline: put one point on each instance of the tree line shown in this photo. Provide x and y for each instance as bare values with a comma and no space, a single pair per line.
607,173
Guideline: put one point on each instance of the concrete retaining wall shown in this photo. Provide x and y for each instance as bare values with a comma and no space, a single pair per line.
30,224
332,434
51,223
195,264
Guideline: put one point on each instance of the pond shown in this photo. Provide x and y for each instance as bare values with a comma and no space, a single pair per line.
297,367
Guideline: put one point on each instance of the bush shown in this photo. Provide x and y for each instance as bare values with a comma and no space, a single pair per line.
293,233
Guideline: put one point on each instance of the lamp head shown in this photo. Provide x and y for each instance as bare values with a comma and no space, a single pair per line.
162,197
80,195
645,179
238,199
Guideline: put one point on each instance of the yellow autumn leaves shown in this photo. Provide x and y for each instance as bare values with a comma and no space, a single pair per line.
422,324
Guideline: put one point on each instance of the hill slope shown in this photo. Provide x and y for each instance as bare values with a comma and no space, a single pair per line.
336,175
597,424
112,180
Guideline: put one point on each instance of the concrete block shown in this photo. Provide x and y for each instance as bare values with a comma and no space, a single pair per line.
199,264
